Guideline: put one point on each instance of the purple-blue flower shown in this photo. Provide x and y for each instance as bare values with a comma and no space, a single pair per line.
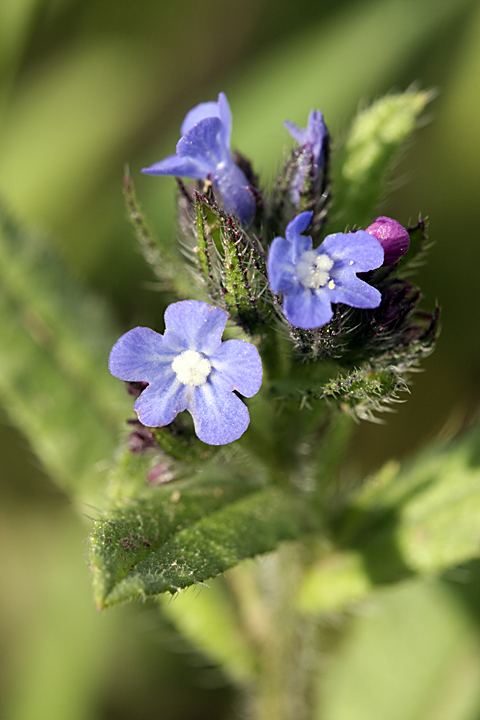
203,153
311,280
190,368
312,139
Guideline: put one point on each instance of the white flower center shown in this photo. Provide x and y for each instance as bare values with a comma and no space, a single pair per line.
191,368
313,270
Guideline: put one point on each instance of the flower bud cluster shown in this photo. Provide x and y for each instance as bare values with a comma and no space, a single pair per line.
267,263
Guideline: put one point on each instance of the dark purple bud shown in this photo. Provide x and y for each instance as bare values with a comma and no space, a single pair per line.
141,438
392,236
136,388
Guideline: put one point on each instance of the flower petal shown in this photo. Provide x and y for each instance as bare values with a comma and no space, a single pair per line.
196,168
219,417
225,115
298,134
316,131
237,366
307,309
298,225
301,243
141,355
194,325
204,141
220,109
199,112
356,249
355,292
280,265
160,403
235,191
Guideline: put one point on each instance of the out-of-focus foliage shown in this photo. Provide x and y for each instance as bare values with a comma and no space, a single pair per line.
87,86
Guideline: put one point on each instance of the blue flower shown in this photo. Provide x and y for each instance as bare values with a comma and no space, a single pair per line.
311,280
190,368
312,139
203,153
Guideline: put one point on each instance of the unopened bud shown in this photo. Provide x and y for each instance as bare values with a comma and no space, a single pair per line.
392,236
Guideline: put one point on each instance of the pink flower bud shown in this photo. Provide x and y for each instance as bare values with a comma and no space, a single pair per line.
392,236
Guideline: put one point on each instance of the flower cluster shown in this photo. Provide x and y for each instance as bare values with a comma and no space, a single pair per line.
341,293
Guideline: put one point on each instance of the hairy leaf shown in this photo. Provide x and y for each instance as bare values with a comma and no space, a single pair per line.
54,380
184,534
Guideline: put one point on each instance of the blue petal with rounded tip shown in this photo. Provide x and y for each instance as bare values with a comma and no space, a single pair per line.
305,308
219,417
237,366
195,168
141,355
280,265
160,403
355,293
219,109
194,325
298,225
199,112
360,248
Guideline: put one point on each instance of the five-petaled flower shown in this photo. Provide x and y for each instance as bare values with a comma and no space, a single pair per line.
190,368
312,139
312,279
203,153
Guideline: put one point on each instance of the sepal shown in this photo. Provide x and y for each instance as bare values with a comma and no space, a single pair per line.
366,391
230,259
167,268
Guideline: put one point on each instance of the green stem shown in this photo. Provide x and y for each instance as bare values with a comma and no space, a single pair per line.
285,642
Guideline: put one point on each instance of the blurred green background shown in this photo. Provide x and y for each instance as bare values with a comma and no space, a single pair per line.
89,85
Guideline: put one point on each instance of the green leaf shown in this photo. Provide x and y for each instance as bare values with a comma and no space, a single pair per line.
54,380
181,535
412,653
372,145
138,526
420,519
335,581
206,617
